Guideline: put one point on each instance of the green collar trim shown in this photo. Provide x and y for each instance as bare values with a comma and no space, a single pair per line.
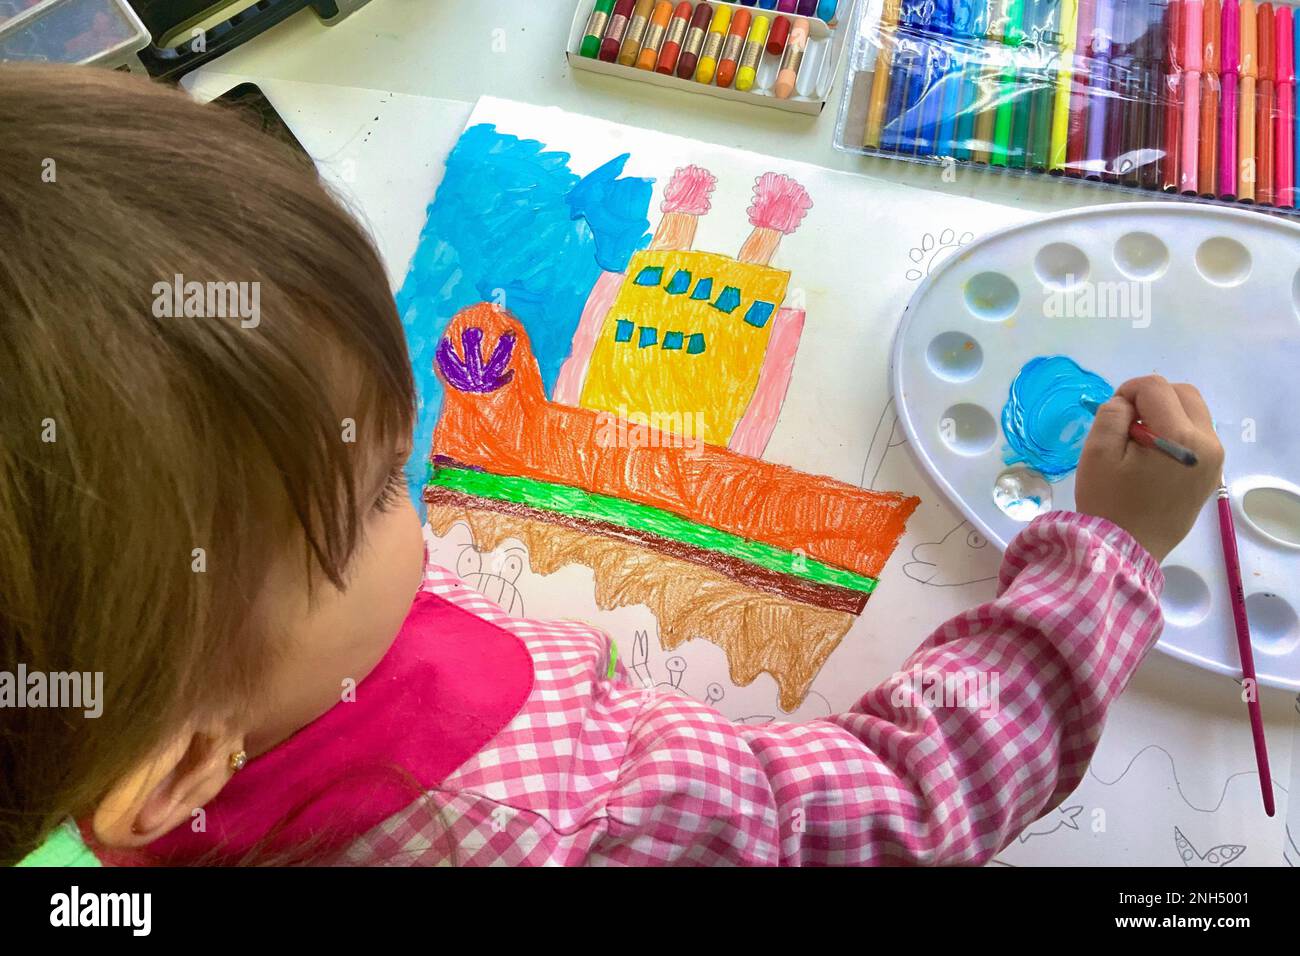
63,847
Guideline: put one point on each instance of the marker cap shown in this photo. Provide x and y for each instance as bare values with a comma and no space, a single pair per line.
1211,36
1264,51
1249,41
1230,35
1173,57
1193,35
1284,61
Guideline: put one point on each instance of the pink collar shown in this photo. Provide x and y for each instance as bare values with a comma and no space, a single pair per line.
448,685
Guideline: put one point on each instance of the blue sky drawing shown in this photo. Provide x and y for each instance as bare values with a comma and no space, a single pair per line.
513,224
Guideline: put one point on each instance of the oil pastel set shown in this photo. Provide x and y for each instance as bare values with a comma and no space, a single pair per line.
1192,98
777,53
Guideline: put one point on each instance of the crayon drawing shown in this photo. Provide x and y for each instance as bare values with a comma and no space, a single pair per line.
564,232
603,396
769,563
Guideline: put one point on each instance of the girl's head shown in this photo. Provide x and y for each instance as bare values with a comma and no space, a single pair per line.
200,495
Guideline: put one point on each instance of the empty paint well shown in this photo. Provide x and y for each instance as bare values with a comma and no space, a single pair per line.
1223,261
955,357
1274,626
1140,255
1186,597
1060,265
1275,513
968,429
991,296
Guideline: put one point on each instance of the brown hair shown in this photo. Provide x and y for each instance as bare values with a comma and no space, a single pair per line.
128,440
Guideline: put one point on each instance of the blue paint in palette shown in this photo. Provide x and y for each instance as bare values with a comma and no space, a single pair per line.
1044,420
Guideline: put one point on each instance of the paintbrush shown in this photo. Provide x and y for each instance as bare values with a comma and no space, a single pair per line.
1145,437
1237,594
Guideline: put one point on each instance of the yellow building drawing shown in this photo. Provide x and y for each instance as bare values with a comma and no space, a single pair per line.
686,335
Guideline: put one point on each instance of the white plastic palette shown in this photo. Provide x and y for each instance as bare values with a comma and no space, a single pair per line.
1199,294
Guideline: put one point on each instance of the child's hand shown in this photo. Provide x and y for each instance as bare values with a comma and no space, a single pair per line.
1142,490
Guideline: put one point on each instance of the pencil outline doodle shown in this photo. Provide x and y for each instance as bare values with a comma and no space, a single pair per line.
1064,817
1178,785
883,440
930,251
973,540
1220,855
676,665
503,576
759,719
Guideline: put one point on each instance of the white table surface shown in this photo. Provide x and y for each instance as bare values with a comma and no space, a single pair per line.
1176,752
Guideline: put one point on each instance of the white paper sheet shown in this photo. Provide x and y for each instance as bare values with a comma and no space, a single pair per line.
1176,752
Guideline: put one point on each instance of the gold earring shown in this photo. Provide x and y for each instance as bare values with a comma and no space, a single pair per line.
238,761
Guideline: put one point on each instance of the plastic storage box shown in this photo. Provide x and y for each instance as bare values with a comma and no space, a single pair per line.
91,32
816,76
1189,98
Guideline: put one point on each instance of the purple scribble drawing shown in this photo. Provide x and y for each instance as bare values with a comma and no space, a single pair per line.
470,374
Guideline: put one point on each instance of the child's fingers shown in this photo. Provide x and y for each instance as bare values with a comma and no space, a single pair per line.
1207,445
1108,440
1159,406
1194,404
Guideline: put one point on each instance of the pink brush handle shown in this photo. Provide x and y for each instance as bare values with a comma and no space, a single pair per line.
1228,534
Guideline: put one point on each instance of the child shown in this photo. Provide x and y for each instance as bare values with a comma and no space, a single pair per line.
207,409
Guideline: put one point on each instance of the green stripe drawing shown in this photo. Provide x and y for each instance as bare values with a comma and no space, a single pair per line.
638,517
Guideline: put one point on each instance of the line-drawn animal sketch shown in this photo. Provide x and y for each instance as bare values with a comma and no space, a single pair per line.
886,436
768,718
1061,817
1220,855
931,250
962,556
676,667
494,574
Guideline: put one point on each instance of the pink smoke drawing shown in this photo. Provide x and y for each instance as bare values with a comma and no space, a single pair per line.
780,203
689,190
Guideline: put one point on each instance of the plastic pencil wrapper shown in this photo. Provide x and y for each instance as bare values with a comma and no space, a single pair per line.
1191,98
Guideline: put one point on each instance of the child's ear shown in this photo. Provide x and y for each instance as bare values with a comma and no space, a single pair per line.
162,792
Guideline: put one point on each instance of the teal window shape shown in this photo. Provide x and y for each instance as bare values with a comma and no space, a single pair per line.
672,340
681,281
729,300
650,275
623,331
759,313
703,290
649,336
695,344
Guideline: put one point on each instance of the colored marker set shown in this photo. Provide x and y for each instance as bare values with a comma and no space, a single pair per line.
1194,98
779,53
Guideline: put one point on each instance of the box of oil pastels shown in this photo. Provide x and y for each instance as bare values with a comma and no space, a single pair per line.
777,53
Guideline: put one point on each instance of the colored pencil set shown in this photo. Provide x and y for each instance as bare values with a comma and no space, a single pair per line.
776,49
1190,97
